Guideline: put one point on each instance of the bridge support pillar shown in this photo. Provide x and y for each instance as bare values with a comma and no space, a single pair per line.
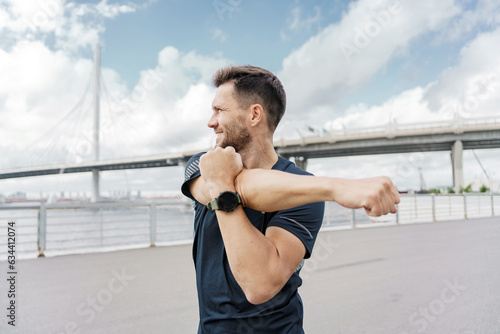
457,165
95,185
301,162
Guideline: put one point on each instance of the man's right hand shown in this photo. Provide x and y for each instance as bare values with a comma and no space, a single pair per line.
377,195
219,169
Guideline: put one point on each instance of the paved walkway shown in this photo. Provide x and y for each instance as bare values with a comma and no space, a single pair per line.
420,278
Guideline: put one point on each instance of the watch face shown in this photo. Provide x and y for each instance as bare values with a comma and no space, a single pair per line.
227,201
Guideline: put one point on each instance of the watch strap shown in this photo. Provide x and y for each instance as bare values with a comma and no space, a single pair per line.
212,205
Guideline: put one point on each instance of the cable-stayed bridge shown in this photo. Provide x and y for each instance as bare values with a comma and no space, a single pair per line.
453,135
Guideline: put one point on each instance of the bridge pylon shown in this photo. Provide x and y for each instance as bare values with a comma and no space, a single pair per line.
457,165
301,162
97,104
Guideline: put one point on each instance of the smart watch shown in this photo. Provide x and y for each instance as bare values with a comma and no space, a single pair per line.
227,201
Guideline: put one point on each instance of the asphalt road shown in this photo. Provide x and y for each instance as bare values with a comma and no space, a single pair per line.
420,278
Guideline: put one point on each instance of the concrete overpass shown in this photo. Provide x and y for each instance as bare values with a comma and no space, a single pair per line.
166,160
455,136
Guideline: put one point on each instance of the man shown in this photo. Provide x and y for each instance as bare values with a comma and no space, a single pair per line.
256,214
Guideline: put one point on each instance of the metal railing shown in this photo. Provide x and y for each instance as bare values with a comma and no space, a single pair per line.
457,124
67,228
64,228
415,209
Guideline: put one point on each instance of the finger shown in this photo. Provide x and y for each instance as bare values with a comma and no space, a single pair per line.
239,159
396,202
393,196
387,204
393,190
391,204
376,209
397,198
394,207
385,199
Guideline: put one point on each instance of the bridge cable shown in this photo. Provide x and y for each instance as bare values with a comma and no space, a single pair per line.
33,146
481,165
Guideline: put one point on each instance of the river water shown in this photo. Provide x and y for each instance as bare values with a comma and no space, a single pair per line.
90,229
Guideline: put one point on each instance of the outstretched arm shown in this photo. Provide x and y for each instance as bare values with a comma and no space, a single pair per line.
272,190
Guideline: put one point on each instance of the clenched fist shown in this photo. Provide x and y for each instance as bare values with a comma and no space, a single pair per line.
377,195
219,168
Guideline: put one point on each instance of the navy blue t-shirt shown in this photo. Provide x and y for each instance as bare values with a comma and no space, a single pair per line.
223,305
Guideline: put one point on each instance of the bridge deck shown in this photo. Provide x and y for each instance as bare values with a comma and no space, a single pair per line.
433,278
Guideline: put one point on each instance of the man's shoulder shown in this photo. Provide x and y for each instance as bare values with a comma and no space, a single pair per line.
288,166
195,157
191,171
193,164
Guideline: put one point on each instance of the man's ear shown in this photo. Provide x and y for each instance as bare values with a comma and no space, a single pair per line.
256,114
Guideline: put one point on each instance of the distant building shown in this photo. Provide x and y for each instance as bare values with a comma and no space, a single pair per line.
18,194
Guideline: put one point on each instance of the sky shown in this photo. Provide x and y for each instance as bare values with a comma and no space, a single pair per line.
344,64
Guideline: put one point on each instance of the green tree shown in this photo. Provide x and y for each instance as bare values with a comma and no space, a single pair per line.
484,188
467,189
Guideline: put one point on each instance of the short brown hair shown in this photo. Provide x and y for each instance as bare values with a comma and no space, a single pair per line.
255,85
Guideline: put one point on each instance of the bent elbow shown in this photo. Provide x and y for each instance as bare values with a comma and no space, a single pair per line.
262,295
258,298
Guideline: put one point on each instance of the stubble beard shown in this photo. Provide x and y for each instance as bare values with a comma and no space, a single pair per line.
237,136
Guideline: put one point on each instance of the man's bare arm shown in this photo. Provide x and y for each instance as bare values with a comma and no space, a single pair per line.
272,190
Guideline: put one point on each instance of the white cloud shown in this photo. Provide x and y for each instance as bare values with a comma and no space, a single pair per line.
163,113
218,34
344,56
408,107
37,86
111,11
485,14
74,26
298,23
472,87
176,106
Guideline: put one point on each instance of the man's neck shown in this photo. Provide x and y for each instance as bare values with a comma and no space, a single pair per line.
259,154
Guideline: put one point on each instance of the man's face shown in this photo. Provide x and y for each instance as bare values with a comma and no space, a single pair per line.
228,119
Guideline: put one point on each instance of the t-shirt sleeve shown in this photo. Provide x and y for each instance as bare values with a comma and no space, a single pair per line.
302,221
191,172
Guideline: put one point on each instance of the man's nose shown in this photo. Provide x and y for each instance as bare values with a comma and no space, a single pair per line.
213,122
